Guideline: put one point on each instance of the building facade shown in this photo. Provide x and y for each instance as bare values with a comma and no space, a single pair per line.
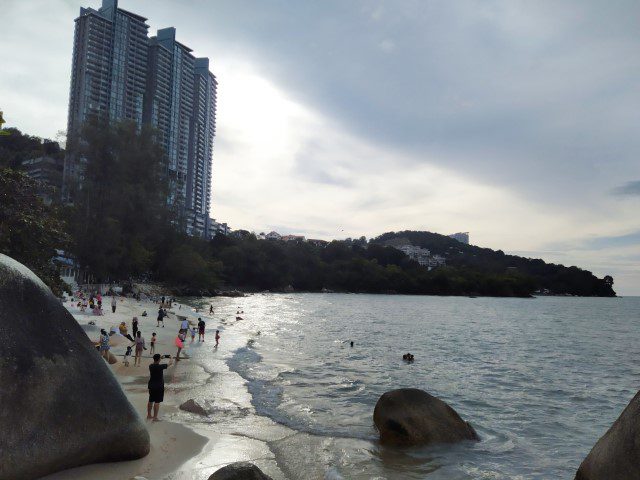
462,237
120,73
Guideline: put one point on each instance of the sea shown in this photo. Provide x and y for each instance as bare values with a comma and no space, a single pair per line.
540,379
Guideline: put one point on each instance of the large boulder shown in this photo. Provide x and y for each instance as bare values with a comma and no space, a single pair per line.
61,407
239,471
616,456
410,416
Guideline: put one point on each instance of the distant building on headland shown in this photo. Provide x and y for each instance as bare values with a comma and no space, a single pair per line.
121,73
48,171
273,236
462,237
422,256
292,238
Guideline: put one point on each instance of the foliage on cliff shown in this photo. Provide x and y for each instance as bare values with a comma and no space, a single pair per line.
30,231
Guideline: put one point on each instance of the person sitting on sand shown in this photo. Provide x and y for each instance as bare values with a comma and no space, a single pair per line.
156,386
153,343
217,337
124,332
139,348
201,325
160,317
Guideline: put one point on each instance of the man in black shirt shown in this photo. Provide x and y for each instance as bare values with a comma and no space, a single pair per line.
156,386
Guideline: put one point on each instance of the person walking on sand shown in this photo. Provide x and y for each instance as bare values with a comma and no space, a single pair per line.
114,303
217,337
156,386
134,326
211,310
139,348
201,326
160,317
180,344
184,326
193,334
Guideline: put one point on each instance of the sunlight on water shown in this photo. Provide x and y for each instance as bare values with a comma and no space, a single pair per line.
540,379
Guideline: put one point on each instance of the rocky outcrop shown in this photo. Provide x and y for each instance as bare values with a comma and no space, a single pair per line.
410,416
194,407
61,407
239,471
616,456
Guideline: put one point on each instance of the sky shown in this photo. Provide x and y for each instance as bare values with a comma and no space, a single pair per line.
517,121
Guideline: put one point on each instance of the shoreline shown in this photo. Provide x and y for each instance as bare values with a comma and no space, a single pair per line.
183,445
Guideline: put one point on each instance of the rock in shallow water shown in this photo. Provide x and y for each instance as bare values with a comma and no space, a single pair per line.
194,407
616,456
409,416
239,471
61,407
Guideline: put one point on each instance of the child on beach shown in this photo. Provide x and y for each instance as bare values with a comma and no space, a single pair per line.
180,344
127,356
104,344
153,343
193,334
217,337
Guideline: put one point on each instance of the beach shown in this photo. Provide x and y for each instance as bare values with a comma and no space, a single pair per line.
183,445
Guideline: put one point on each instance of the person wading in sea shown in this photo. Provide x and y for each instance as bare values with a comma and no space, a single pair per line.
156,386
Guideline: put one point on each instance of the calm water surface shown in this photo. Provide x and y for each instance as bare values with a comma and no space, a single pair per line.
540,379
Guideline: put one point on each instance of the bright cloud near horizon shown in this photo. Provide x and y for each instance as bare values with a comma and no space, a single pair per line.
514,120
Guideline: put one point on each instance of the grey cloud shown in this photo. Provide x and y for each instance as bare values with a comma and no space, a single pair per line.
539,96
629,188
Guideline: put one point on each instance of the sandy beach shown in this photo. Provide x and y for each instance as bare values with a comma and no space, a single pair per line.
183,445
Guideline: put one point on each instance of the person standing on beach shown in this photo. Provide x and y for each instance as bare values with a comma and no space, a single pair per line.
201,326
156,386
153,343
104,344
211,310
139,348
162,300
184,326
134,326
114,303
160,317
217,337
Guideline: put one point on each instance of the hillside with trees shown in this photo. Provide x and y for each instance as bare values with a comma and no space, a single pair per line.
121,228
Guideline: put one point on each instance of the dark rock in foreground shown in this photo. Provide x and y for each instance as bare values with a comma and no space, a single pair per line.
616,456
410,416
239,471
61,407
194,407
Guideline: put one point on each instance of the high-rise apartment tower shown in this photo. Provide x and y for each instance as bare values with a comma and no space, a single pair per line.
121,73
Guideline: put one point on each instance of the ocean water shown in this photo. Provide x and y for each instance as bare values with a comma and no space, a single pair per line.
540,379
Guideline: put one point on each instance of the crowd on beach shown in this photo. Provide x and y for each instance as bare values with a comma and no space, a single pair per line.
138,344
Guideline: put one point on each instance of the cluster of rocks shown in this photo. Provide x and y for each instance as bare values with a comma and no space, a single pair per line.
48,426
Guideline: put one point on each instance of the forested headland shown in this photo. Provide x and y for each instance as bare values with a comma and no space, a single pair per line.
121,228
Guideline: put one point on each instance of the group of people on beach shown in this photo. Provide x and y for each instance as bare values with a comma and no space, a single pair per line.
93,302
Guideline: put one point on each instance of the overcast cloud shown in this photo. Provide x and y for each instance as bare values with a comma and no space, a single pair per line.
514,120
